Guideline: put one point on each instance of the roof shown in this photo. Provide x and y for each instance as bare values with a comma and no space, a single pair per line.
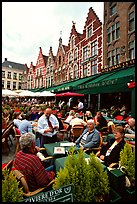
14,65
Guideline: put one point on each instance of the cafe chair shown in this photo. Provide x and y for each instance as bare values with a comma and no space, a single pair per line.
76,131
6,138
23,183
7,166
17,136
95,149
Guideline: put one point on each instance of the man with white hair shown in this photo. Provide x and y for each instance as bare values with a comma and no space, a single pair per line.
130,128
89,138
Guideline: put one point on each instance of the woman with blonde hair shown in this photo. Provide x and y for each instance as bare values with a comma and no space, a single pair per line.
110,153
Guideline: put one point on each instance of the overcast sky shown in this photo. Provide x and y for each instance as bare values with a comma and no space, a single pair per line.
26,26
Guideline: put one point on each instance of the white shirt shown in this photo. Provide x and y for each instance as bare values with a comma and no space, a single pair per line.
43,125
80,105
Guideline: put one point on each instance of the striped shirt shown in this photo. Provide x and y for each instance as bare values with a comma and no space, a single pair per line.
35,173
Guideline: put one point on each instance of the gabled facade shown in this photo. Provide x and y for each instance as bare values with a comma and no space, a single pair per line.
92,45
85,50
31,76
24,80
118,33
60,64
40,70
73,56
50,69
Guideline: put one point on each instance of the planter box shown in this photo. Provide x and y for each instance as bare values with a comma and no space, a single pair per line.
114,196
117,180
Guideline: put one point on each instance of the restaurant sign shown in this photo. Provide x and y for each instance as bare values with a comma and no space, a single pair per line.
62,194
102,83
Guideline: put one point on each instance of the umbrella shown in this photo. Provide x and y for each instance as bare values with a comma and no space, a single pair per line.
46,93
71,94
27,93
7,92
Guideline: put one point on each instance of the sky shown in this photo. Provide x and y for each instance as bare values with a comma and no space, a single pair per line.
26,26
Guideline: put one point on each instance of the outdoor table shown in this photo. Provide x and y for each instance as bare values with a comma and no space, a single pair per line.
50,149
59,162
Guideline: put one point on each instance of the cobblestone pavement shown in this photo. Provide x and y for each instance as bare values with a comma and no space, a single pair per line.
7,158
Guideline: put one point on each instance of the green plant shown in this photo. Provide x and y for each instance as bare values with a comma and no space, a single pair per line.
90,181
10,187
127,160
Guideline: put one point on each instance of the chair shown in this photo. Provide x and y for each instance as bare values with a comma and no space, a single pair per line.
6,137
7,166
27,193
95,149
17,136
76,131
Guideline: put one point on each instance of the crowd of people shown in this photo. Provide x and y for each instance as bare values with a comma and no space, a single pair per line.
50,120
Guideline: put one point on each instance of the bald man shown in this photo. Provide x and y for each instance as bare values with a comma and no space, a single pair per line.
47,127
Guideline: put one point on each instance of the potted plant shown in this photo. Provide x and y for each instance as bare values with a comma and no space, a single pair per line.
11,192
127,165
90,181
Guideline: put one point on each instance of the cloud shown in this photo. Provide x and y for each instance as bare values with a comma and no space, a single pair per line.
26,26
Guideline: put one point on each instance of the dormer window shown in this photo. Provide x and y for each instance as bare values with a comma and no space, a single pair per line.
89,31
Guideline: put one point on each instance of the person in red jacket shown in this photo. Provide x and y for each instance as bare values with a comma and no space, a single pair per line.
27,161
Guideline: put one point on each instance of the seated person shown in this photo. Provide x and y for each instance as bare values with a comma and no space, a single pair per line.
110,153
25,126
130,127
77,121
88,116
100,122
30,164
17,119
70,117
89,138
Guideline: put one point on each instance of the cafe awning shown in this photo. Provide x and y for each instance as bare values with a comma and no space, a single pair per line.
111,82
70,85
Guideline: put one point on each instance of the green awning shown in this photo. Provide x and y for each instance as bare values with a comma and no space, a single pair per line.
37,89
115,81
70,85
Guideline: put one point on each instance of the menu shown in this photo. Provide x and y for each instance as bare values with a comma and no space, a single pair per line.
59,150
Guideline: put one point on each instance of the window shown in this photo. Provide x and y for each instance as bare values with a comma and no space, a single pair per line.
94,67
37,72
117,55
40,71
8,84
20,76
70,57
59,60
85,71
113,57
75,72
14,85
9,75
113,10
132,21
89,31
113,32
70,73
2,83
14,75
72,42
19,85
94,48
75,54
85,53
3,74
132,50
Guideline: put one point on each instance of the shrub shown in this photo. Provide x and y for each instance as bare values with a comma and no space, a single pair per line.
127,159
10,187
90,181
